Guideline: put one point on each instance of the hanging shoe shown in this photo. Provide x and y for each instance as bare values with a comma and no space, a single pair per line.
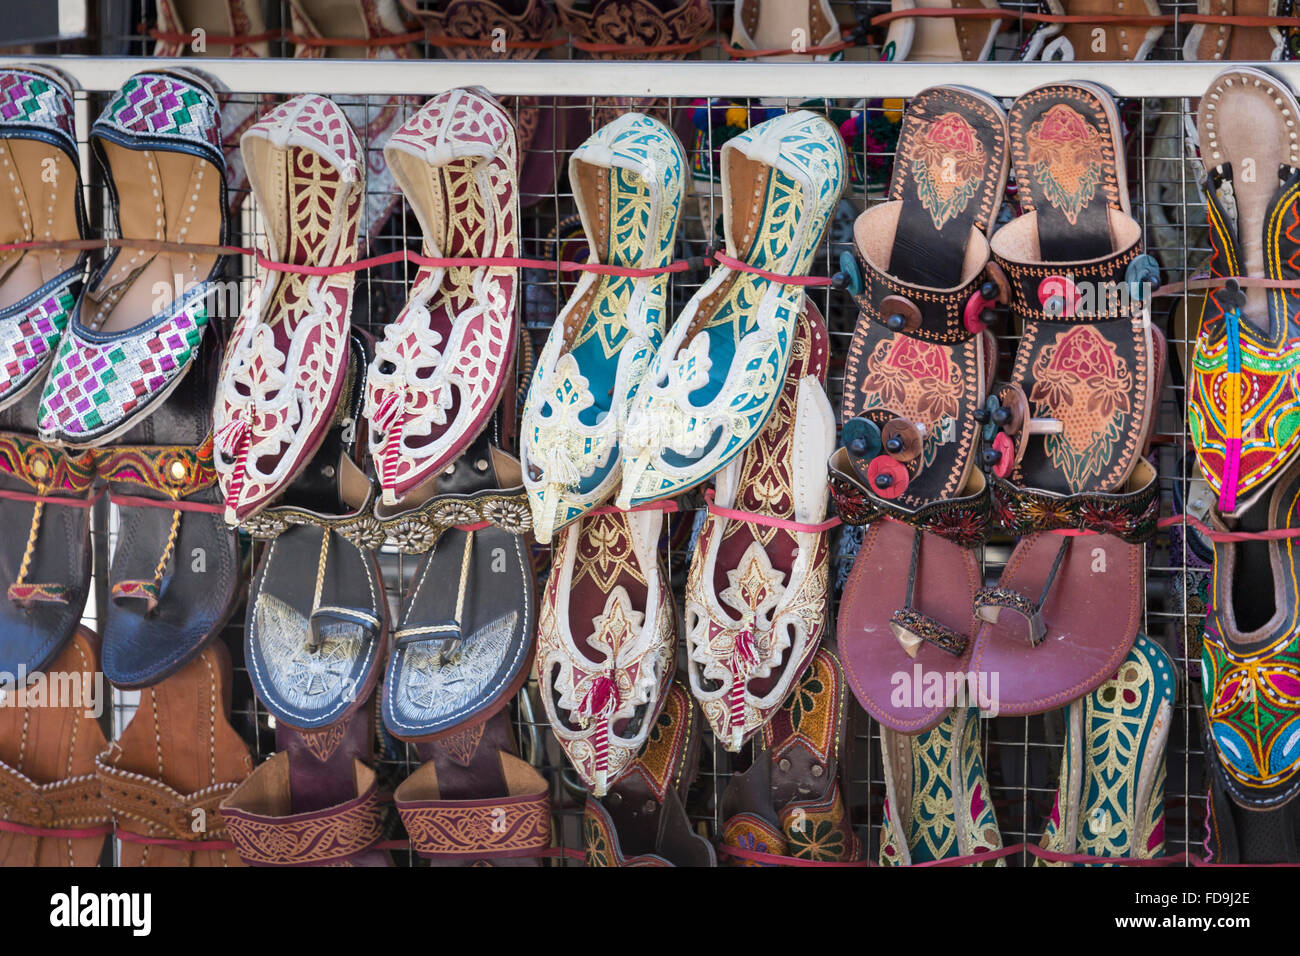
932,39
137,326
287,354
1237,41
441,367
628,183
716,379
1086,40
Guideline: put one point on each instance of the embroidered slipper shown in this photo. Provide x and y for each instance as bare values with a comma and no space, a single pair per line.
1242,391
642,821
940,39
1086,40
937,800
134,332
464,646
49,794
285,362
915,378
715,380
473,802
1111,799
1086,376
606,641
756,591
165,777
628,182
441,367
317,623
38,288
315,803
1227,40
768,25
791,801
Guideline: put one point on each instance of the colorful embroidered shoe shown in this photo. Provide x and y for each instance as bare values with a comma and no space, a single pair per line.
606,641
937,800
1065,439
791,802
137,326
715,380
781,25
642,821
628,182
439,371
1087,40
937,39
1243,402
756,592
287,354
38,150
1111,799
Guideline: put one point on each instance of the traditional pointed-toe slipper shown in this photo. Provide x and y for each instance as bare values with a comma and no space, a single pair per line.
606,641
937,800
756,591
464,646
781,25
38,288
474,802
792,801
49,794
936,39
628,182
287,354
1242,40
137,326
1242,392
440,368
1085,39
714,382
916,376
1065,438
642,821
1111,799
315,803
178,758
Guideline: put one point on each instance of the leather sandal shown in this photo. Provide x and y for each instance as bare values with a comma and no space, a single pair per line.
791,801
756,591
642,821
1232,41
1088,41
127,346
1065,438
38,288
441,367
916,374
628,183
606,641
464,646
769,25
48,789
178,758
1110,802
288,352
716,379
940,39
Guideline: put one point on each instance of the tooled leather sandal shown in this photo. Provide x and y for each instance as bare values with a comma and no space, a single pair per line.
50,810
780,25
628,183
642,821
1065,438
440,368
464,645
716,379
791,802
756,591
473,802
1084,40
38,288
940,39
1232,41
315,803
916,374
1111,797
127,346
288,352
177,759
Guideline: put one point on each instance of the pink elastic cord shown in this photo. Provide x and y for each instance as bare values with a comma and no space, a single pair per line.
52,499
737,266
477,526
10,826
127,837
767,521
1231,474
1205,282
1177,521
134,501
666,506
1033,850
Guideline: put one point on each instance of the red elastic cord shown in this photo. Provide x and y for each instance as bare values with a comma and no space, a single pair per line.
10,826
738,266
169,504
666,505
738,54
440,40
629,50
1202,282
1033,850
51,499
1177,521
478,526
189,845
767,521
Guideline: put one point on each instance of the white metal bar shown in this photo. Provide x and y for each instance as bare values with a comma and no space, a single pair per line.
685,78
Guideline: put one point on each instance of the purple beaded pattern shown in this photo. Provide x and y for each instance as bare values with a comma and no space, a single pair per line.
29,333
31,100
155,104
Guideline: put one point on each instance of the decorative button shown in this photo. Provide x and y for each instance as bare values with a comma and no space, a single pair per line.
861,436
887,476
1059,296
39,468
902,439
1006,453
176,471
901,314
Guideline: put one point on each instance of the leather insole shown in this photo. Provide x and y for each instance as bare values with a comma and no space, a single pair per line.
39,203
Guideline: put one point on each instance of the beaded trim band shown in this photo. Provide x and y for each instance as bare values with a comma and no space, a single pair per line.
144,800
928,629
417,530
361,527
964,521
1003,599
1131,516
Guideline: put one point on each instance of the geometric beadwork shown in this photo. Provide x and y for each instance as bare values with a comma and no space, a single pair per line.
30,329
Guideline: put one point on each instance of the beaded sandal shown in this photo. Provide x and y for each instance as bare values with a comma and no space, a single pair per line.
628,182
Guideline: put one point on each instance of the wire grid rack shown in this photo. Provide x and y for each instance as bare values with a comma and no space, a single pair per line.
1021,755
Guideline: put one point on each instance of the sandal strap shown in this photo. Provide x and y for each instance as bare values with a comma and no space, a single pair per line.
928,629
46,468
1130,515
361,528
964,521
417,530
499,827
65,803
134,799
1006,599
942,312
173,471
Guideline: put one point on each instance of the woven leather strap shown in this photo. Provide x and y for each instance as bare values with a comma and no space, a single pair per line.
500,827
136,800
65,803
